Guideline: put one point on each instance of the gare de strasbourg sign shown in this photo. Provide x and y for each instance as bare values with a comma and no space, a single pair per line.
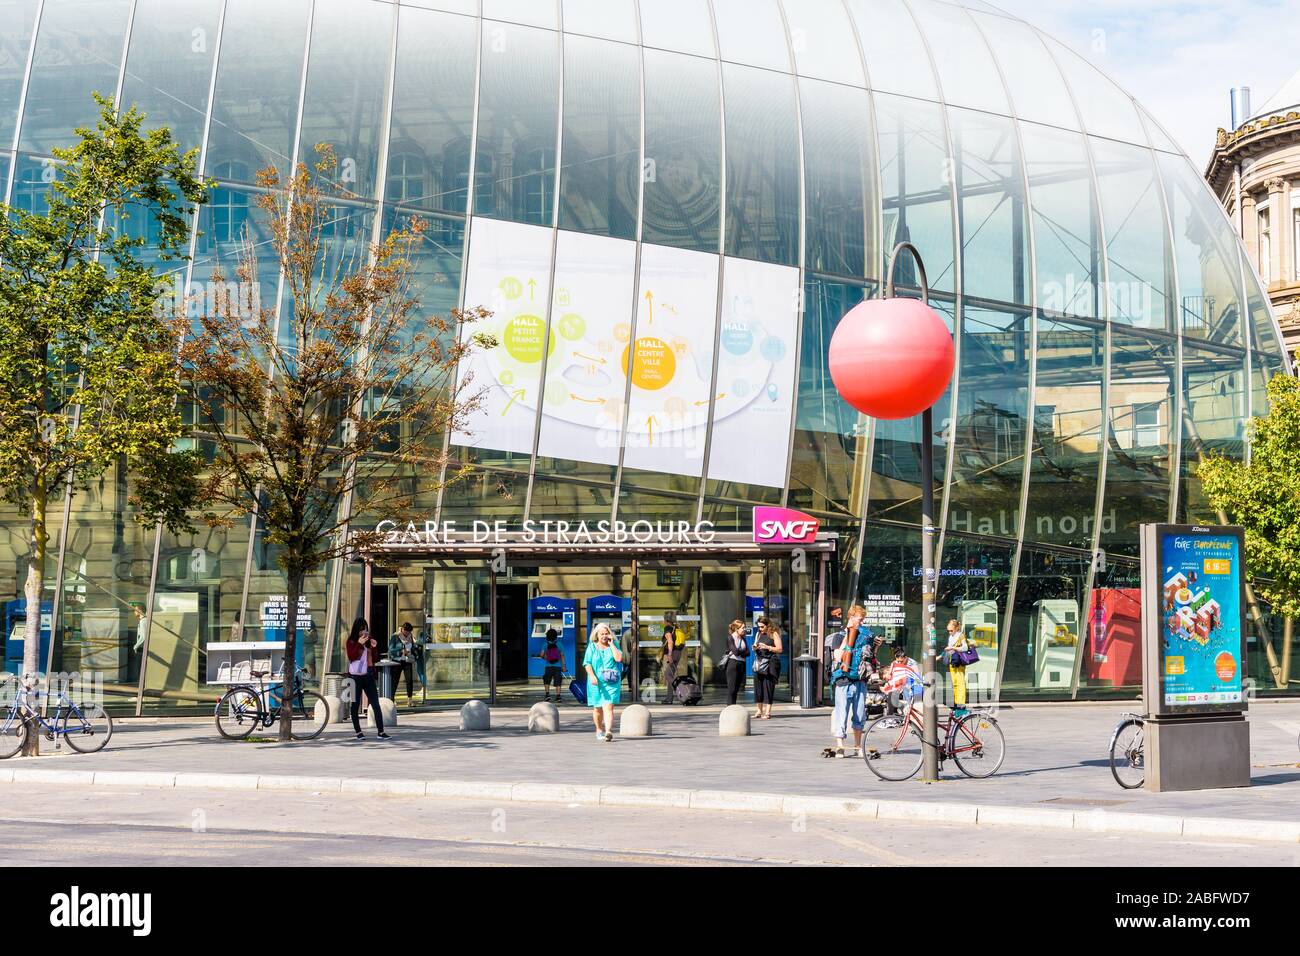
771,526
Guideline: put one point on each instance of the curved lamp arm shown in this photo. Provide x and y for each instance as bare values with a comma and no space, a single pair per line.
920,267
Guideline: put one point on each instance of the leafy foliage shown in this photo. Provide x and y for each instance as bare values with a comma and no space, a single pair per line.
1264,496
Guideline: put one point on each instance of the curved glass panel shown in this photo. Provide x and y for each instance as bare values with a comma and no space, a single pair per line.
839,151
751,32
1139,437
1137,241
1159,138
78,51
897,60
536,13
974,584
994,218
1035,85
684,26
347,76
1105,109
821,37
17,19
519,101
601,155
967,74
1046,631
1112,654
433,112
1067,423
917,190
762,165
1067,234
169,65
683,152
1214,423
1209,272
255,106
611,19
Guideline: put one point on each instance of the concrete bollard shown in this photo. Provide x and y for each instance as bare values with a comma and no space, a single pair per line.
634,721
389,710
338,710
734,721
543,718
475,715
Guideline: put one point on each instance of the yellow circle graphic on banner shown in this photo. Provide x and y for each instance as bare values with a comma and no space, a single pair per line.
655,364
523,338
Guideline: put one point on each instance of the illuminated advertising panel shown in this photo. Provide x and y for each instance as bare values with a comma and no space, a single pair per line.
1194,598
757,348
508,271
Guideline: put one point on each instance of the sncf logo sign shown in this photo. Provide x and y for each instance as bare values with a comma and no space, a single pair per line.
783,526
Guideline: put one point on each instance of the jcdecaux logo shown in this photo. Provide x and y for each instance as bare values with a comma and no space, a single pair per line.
783,526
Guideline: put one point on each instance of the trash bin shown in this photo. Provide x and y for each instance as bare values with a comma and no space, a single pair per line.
387,677
809,679
332,684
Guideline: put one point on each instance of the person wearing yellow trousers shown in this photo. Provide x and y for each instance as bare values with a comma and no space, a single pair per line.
957,642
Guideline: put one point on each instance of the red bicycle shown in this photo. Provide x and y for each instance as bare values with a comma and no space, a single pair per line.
894,745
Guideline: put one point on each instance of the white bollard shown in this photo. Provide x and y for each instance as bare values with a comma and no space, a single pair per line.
475,715
734,721
543,718
634,721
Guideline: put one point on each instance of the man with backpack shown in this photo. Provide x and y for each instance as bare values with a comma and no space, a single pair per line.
552,656
851,668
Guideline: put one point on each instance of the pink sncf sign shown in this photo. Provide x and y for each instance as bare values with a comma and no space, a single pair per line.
783,526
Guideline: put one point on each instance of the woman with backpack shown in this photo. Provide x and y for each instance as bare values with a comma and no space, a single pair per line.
552,655
768,649
734,661
604,665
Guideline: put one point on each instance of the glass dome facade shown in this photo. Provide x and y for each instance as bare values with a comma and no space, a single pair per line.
707,185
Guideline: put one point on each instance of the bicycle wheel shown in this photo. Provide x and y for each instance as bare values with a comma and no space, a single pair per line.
978,746
13,733
89,731
892,748
239,713
311,712
1126,760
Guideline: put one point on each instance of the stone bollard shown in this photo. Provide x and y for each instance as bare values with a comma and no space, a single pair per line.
475,715
543,718
734,721
338,710
634,721
389,710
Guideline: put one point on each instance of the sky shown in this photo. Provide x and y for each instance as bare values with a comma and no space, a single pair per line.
1179,57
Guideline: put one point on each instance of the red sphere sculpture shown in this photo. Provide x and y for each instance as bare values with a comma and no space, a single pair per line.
891,358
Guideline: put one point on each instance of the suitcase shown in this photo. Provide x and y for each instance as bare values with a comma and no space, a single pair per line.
686,690
579,691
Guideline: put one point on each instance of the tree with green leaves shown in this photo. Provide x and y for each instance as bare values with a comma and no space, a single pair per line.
333,406
1263,496
88,352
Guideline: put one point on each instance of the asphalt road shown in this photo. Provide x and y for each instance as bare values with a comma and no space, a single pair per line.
47,825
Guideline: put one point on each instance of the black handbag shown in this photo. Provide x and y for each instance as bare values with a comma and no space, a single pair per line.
767,665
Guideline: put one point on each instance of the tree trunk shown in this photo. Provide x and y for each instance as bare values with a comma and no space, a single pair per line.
294,581
33,589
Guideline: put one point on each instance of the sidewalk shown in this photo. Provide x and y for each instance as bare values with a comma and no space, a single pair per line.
1056,772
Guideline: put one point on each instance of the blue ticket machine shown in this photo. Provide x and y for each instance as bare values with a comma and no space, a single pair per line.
545,613
612,610
16,620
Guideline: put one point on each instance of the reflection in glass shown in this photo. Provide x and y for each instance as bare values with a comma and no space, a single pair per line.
966,69
17,19
821,37
1036,88
840,180
762,165
255,106
1112,651
78,51
602,138
683,161
974,578
518,105
1214,412
1067,235
433,112
169,66
1047,625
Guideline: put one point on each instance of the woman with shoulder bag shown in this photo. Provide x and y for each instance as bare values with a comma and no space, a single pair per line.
960,653
734,661
767,667
603,662
363,653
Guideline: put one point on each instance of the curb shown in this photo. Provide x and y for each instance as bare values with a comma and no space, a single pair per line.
726,801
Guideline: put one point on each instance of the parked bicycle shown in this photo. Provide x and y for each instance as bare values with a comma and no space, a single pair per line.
245,707
894,745
1126,759
86,727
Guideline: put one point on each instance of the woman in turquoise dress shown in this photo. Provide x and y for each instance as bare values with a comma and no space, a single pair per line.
604,664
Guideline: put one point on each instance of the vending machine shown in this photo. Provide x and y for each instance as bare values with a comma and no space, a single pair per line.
1115,637
612,610
545,613
1056,642
16,628
979,622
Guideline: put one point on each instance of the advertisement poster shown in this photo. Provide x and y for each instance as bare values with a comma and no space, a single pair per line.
1200,621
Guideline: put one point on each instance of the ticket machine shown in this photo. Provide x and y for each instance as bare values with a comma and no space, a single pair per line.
612,610
545,613
979,622
1056,642
16,628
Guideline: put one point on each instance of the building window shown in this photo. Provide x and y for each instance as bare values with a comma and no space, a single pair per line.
406,178
1265,246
